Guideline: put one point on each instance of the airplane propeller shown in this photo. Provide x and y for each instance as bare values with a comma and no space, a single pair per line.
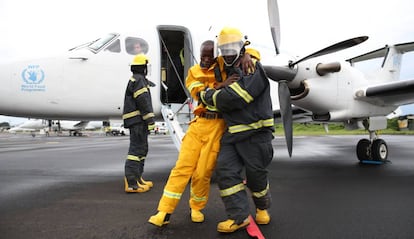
273,12
285,74
286,113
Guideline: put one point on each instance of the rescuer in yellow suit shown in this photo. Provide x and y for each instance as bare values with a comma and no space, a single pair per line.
200,145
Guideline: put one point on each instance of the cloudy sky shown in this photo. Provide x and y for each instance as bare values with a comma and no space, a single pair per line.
42,27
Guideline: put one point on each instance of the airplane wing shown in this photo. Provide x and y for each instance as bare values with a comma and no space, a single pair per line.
402,48
392,93
386,94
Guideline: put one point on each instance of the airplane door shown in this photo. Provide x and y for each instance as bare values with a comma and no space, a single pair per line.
176,59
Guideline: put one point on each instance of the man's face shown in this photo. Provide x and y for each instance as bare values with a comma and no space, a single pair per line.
137,48
229,60
230,52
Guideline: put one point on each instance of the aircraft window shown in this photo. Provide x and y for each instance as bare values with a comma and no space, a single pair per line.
114,47
136,45
101,42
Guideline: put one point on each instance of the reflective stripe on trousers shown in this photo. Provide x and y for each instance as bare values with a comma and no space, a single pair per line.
196,161
251,156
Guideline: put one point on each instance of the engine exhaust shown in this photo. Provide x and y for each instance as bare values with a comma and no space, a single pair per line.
324,68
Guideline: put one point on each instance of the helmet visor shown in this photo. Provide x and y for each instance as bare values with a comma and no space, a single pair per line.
231,49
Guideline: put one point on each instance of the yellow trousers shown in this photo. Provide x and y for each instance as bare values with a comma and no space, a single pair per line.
196,161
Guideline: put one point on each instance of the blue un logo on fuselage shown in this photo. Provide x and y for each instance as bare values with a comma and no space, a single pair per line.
32,77
33,74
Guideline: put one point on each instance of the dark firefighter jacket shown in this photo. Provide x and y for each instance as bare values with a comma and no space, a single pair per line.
137,102
246,105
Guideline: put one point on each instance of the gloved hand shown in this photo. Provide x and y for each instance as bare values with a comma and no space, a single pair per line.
151,126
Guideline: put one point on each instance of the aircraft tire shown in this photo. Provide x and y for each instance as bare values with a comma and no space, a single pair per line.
363,149
379,150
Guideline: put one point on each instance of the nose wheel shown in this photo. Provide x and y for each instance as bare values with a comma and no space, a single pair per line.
375,151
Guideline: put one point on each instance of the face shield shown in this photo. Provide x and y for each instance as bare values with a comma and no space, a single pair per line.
230,52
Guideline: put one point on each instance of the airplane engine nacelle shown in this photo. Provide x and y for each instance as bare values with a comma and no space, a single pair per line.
299,92
299,88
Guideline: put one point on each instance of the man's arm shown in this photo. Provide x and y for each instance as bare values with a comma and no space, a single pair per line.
143,100
194,86
237,95
247,60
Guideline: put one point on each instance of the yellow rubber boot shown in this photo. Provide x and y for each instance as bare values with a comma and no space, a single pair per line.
197,216
143,186
160,219
148,183
138,189
230,225
262,217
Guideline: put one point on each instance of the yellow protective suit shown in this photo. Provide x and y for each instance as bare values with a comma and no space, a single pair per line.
198,153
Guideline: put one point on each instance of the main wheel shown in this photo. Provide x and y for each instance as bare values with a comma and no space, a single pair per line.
363,149
379,150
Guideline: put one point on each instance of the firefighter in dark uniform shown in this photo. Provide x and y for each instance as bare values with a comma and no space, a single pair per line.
247,143
138,116
200,146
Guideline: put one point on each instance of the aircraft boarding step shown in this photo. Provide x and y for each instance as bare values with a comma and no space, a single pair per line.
176,117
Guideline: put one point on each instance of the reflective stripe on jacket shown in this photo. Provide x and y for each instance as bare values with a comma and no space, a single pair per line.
246,105
137,102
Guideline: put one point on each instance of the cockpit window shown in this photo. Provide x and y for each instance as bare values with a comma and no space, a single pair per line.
114,47
134,45
98,44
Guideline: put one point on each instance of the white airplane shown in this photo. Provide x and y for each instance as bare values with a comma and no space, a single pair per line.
88,82
48,126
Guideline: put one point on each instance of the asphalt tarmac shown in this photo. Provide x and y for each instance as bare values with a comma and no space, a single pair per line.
72,187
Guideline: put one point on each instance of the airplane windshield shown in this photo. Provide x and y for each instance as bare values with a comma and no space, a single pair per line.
98,44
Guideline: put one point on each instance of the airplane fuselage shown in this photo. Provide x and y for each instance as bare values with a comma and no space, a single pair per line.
80,84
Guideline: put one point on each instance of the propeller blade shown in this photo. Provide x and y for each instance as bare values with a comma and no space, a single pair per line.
334,48
273,12
286,112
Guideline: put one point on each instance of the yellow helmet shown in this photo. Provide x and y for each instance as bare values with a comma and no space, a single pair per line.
140,59
230,41
229,35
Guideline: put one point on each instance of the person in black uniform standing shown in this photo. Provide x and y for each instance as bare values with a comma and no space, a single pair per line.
247,143
138,116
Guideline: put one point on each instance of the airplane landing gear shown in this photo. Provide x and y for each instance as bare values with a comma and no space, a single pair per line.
379,150
75,133
374,150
